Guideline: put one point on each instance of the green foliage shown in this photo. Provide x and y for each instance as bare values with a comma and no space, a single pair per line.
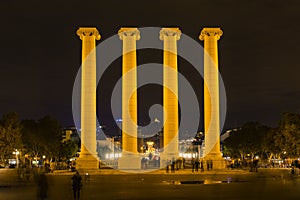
268,143
10,135
230,151
34,138
246,140
287,137
50,131
68,149
42,137
282,141
31,138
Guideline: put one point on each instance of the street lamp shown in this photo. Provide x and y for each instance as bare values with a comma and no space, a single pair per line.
16,152
43,159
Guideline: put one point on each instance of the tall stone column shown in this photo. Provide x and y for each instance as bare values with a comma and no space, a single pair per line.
210,36
88,156
170,93
130,158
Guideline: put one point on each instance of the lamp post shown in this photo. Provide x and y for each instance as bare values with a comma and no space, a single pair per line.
16,153
43,159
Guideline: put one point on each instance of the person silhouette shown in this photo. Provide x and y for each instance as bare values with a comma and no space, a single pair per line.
197,163
173,165
76,185
193,164
42,187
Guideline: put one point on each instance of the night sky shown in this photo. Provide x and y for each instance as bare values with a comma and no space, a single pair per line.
258,53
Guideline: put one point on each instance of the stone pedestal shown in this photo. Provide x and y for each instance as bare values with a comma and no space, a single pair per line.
87,163
218,162
129,162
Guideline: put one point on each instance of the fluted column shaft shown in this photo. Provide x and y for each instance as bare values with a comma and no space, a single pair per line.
170,90
129,86
211,90
88,90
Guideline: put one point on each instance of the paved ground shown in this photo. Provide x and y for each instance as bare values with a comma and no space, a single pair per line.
112,184
151,171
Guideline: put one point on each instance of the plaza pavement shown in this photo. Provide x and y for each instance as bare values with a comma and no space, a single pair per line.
115,184
245,171
152,171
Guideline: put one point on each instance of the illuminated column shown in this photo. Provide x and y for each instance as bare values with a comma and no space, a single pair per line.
88,158
170,93
130,158
210,36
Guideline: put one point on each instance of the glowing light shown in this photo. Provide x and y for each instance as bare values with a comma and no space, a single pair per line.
156,120
119,120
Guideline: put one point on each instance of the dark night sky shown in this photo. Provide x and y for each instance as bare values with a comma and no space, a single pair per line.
258,53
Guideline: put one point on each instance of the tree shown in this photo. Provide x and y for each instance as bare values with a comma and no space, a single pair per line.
287,137
50,131
42,137
227,150
246,140
268,143
10,135
68,149
31,138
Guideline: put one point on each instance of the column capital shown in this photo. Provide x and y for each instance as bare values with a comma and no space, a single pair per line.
88,31
210,32
176,32
127,31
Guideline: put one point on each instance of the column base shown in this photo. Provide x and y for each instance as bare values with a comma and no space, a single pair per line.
129,162
218,162
87,162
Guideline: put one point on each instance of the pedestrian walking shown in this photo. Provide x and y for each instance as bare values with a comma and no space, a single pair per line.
76,185
173,165
193,164
207,165
42,187
202,166
167,165
211,164
255,165
197,163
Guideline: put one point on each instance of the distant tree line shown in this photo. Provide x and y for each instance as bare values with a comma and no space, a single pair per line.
254,138
33,139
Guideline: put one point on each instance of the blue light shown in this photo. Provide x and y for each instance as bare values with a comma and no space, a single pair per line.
119,120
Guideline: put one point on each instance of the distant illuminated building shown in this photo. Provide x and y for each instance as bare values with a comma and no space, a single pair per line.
70,133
